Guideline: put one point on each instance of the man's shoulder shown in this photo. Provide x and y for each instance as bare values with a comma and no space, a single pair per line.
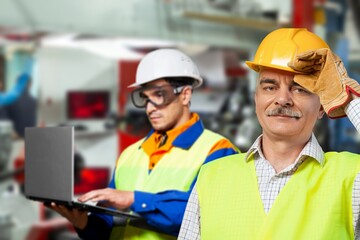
135,145
227,161
343,160
343,155
213,134
220,141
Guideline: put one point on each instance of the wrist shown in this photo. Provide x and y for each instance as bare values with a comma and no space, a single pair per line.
80,223
353,96
130,198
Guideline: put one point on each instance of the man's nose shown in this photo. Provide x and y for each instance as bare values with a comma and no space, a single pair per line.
284,98
149,106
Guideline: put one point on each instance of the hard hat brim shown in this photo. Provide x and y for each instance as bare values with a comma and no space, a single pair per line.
257,67
198,82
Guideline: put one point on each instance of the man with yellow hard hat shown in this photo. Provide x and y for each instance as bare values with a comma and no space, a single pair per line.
285,186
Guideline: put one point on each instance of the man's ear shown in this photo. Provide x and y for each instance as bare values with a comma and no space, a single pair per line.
186,94
321,112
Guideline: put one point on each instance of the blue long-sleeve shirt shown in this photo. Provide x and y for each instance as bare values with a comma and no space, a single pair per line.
6,98
164,210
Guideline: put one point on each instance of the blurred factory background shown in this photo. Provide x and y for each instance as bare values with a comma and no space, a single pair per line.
82,54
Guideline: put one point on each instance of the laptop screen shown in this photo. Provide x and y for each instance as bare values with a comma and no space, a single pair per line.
49,163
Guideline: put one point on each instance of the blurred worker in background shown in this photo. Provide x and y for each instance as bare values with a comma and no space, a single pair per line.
154,176
16,108
17,104
23,111
285,186
7,98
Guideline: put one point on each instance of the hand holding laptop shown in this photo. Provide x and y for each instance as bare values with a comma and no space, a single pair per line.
106,197
78,218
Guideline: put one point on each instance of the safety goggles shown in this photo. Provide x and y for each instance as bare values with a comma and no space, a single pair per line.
159,96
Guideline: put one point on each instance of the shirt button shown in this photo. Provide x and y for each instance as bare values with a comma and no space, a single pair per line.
143,205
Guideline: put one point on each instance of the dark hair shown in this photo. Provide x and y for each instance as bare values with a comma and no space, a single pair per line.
180,81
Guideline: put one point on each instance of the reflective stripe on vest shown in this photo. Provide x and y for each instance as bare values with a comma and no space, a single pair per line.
175,171
316,203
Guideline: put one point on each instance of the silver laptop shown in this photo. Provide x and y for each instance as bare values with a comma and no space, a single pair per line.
49,169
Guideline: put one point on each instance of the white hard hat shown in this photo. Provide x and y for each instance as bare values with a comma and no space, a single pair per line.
165,63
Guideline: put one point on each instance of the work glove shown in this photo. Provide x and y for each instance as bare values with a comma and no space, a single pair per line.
323,73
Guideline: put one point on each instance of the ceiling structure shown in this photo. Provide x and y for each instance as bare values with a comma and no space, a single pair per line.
180,21
234,24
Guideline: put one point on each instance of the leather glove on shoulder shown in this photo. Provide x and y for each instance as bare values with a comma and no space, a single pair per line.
323,73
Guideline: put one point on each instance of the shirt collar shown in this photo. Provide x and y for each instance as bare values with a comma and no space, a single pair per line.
187,133
186,139
312,149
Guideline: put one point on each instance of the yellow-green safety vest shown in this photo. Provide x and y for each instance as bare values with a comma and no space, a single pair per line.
176,170
316,203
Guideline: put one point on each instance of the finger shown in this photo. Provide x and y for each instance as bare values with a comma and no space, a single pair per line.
99,198
313,55
322,51
312,68
301,66
307,56
59,209
88,196
306,66
95,195
53,206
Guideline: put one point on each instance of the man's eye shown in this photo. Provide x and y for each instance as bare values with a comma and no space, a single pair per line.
142,95
159,93
268,88
300,90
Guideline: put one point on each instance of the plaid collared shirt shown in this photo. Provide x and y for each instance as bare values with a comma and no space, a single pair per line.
270,183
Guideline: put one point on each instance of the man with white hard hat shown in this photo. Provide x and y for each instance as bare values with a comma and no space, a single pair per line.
154,176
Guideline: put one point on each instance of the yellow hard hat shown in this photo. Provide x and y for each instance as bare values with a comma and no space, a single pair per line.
280,47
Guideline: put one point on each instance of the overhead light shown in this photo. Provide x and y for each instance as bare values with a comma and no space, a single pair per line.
193,49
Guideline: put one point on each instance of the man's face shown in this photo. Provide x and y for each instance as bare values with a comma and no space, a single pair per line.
285,110
164,104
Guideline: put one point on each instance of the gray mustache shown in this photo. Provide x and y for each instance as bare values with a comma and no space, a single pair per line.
284,112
